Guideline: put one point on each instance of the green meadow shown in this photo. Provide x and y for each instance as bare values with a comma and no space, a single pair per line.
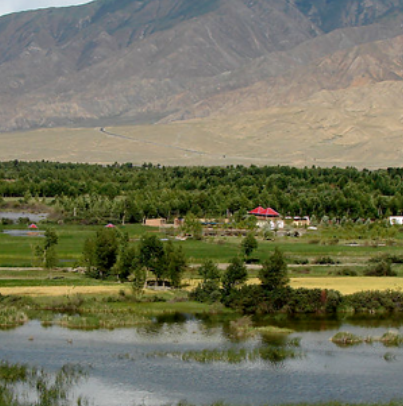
18,251
303,253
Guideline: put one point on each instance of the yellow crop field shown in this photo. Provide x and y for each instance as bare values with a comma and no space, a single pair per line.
345,285
348,285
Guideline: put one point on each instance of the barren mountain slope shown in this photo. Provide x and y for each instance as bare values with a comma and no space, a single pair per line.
360,127
129,61
368,63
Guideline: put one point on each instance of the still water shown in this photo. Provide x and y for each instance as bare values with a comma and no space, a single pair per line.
122,372
34,217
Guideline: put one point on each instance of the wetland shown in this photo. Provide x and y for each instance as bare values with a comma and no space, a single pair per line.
198,357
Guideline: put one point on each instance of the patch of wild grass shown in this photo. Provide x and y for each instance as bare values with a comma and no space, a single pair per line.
346,338
244,328
44,389
269,353
389,339
12,317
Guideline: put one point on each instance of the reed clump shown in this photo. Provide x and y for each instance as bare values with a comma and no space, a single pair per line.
12,317
244,328
272,354
98,321
346,338
43,388
389,339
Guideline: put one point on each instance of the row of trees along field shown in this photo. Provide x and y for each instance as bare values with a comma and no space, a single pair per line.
93,192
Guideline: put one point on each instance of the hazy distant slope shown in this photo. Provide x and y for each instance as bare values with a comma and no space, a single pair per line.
123,62
130,60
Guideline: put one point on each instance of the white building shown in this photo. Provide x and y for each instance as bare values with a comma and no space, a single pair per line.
396,220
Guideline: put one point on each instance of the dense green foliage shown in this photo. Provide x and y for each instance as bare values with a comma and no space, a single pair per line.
45,254
109,254
131,193
273,273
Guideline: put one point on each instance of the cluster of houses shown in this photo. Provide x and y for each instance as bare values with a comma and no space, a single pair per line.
265,218
275,220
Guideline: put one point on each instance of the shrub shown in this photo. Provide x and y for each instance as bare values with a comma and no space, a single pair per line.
325,261
23,220
370,301
301,261
382,268
392,258
206,292
345,271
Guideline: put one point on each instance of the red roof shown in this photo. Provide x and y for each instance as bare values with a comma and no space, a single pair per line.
260,211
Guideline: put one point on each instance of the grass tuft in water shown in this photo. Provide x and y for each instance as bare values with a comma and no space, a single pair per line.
243,328
44,389
389,339
271,354
345,338
12,317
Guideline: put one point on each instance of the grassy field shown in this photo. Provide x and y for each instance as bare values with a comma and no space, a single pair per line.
16,255
17,251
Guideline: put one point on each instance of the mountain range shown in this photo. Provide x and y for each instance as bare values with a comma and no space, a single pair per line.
136,62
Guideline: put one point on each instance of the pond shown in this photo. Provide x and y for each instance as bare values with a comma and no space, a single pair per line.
141,365
14,216
25,233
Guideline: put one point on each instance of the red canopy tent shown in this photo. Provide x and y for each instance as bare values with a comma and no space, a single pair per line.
110,225
260,211
33,226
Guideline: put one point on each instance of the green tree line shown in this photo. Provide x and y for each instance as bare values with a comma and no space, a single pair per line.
128,193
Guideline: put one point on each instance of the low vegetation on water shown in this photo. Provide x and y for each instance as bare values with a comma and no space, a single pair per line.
389,339
11,317
243,327
272,354
44,389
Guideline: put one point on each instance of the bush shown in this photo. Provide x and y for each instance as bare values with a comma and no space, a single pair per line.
325,261
345,271
392,258
206,292
382,268
370,301
313,301
23,220
301,261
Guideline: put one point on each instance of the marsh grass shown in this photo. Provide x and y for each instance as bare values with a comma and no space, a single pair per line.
243,327
389,339
100,321
44,389
106,312
270,354
12,317
343,338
